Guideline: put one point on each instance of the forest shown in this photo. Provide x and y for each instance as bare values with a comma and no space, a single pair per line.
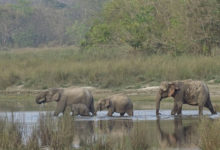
31,23
150,26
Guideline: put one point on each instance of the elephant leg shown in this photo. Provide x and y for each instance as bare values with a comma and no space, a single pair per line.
85,113
179,111
201,102
200,109
130,113
179,108
72,112
61,106
92,109
175,108
110,113
122,114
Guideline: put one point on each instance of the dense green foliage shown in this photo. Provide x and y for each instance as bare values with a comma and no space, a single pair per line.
154,26
31,23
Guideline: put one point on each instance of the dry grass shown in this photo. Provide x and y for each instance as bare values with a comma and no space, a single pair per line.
61,133
62,67
209,133
10,134
49,132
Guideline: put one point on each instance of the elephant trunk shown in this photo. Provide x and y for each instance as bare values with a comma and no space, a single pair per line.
158,99
97,108
39,100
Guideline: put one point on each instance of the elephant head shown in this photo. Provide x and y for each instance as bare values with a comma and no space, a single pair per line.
167,89
48,96
103,104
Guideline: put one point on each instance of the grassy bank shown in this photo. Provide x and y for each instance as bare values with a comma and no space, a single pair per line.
62,67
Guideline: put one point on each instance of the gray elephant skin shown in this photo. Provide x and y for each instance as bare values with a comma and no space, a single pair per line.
80,109
67,97
117,103
190,92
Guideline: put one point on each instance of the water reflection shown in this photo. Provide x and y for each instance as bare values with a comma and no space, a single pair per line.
165,132
181,136
84,133
177,133
117,126
87,132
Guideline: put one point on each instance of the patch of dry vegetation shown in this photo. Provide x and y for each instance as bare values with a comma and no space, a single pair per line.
65,67
209,133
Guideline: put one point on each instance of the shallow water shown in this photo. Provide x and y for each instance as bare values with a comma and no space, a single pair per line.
31,117
165,131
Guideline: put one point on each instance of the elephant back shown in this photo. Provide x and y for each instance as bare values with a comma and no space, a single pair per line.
78,96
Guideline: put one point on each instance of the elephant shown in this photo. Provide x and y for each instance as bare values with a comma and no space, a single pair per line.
190,92
119,103
80,109
67,97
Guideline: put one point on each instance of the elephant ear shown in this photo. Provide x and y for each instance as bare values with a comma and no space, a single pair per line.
56,97
48,96
108,103
164,86
53,95
172,89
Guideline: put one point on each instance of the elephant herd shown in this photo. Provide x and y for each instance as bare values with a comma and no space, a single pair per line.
81,100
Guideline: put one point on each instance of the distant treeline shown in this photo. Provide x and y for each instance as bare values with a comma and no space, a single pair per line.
159,26
152,26
34,23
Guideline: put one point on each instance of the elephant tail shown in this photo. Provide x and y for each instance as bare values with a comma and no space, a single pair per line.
92,108
209,105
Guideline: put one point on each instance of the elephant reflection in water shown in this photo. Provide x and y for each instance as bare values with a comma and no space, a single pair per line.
115,128
183,136
83,133
88,132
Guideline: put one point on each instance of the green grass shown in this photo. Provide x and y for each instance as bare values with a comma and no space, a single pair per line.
63,67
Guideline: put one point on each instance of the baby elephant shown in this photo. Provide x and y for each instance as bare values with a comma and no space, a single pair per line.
80,109
117,103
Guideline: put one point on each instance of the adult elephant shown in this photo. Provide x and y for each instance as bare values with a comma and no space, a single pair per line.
185,92
119,103
67,97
